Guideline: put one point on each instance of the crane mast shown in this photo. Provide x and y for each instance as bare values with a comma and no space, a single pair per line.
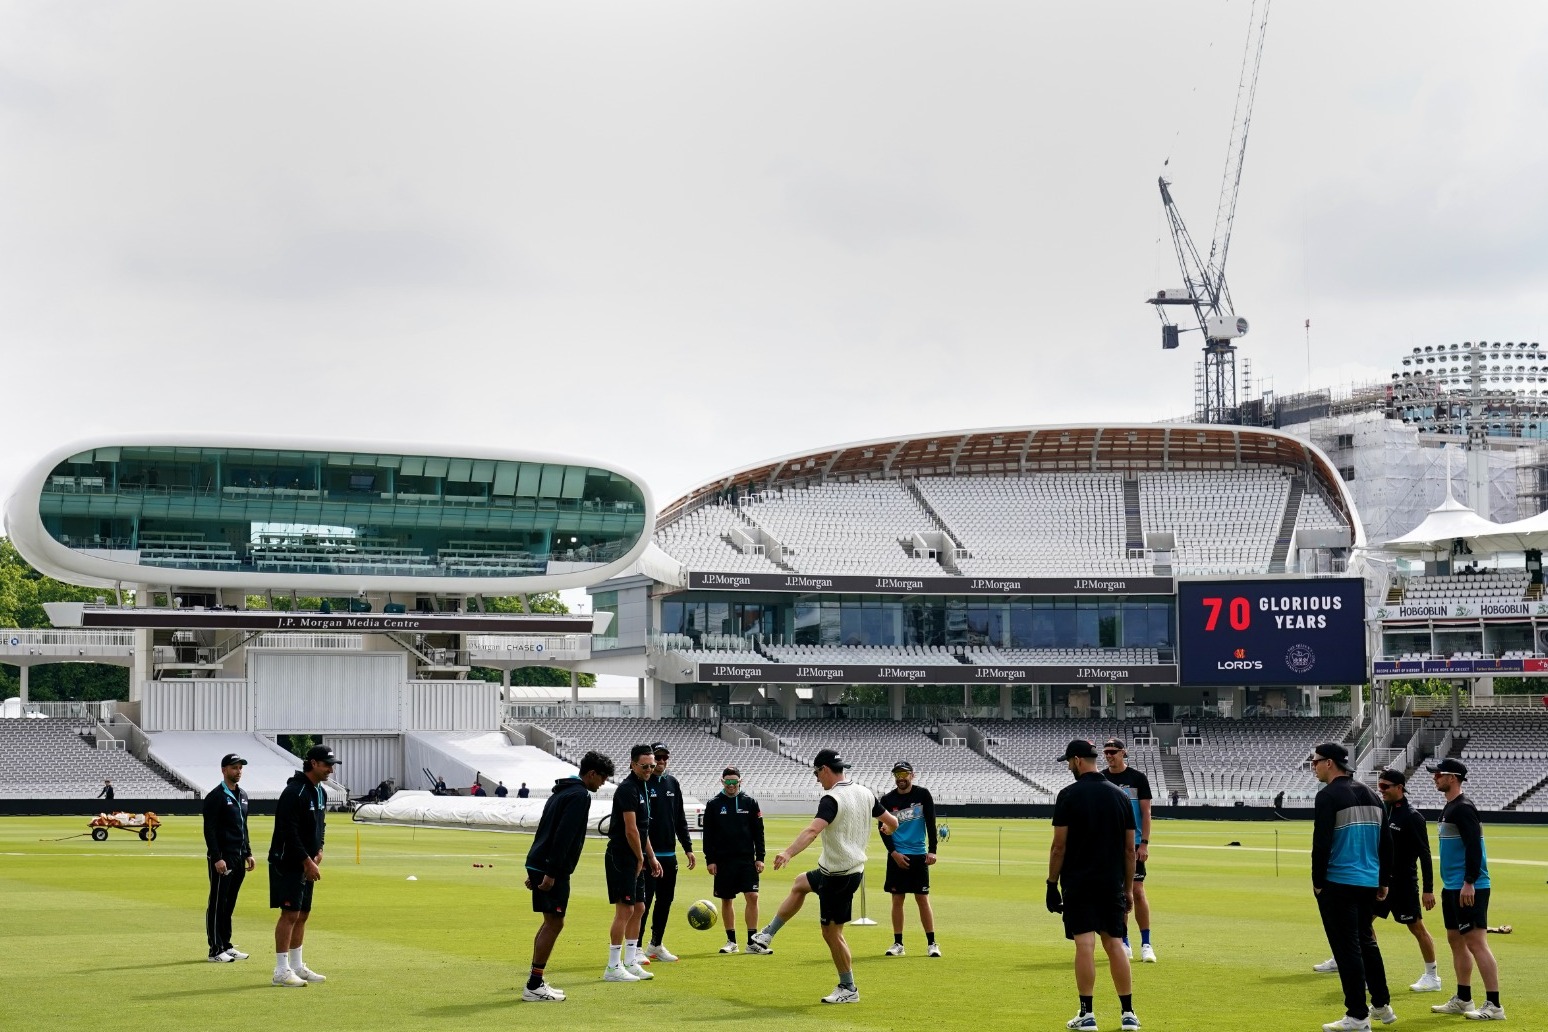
1205,291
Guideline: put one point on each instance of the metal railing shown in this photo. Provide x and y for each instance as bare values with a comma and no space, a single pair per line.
96,710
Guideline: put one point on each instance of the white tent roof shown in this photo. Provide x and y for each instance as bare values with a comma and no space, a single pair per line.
1443,525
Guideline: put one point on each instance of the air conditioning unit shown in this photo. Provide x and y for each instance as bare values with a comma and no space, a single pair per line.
1225,327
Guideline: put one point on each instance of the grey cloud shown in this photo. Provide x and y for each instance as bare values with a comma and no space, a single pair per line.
866,214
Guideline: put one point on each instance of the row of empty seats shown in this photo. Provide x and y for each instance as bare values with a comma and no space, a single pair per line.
54,758
1220,519
700,541
1484,586
846,528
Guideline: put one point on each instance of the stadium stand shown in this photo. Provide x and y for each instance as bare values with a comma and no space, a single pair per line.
1035,525
914,655
1238,537
54,758
1506,753
1483,586
1255,758
841,528
702,540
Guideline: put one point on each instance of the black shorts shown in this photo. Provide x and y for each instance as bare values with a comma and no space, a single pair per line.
735,877
835,894
289,889
1401,904
915,881
1089,911
1139,870
554,900
625,883
1464,919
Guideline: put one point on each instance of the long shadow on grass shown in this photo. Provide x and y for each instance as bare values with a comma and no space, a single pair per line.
145,967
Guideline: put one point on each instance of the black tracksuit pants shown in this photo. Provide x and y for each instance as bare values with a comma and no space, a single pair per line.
659,893
223,899
1347,918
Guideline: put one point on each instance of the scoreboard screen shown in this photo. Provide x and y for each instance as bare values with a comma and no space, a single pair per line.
1272,632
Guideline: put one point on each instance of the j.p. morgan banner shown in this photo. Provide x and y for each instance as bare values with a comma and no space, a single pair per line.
801,582
793,673
1272,632
1422,667
265,620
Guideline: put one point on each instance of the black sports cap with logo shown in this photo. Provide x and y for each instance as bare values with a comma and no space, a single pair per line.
660,751
231,759
1392,776
1113,743
1332,751
322,754
903,765
1454,767
1078,748
831,759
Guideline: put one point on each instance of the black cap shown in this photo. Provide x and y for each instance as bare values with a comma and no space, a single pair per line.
902,765
1448,766
831,759
1113,743
1393,776
322,754
1078,748
660,751
1333,751
231,759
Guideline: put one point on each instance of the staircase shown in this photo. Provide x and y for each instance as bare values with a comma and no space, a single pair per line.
1287,526
1528,794
917,495
1134,534
1171,766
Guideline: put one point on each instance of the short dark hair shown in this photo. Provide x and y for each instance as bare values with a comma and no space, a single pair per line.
595,761
641,750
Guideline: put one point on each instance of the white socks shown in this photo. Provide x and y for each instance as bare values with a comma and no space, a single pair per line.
1430,970
295,960
612,955
281,963
631,951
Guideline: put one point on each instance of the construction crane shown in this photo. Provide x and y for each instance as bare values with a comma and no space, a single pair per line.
1205,291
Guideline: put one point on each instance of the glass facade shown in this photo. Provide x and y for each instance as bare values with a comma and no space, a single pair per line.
318,512
1036,622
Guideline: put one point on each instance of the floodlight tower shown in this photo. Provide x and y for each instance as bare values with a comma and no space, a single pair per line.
1205,290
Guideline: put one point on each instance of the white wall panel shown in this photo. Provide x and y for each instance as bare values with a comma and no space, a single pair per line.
366,761
451,706
168,706
326,692
222,705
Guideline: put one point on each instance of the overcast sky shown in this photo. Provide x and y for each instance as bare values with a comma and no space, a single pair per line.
682,237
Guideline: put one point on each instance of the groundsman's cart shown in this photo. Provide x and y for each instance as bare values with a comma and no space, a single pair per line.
143,824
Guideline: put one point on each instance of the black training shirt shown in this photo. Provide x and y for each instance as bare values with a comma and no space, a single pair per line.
1410,844
631,797
1101,825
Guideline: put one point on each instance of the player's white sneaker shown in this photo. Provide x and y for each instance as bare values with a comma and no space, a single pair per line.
544,993
935,949
290,980
761,943
1130,1020
1488,1012
1083,1022
1326,966
731,947
659,953
1128,951
843,994
223,957
1348,1024
1455,1005
308,975
1427,983
235,953
619,973
1147,954
638,972
1386,1015
895,950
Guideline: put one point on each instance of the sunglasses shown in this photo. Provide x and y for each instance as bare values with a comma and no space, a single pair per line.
1109,752
730,782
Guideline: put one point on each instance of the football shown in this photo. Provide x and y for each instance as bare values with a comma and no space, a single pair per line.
702,915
